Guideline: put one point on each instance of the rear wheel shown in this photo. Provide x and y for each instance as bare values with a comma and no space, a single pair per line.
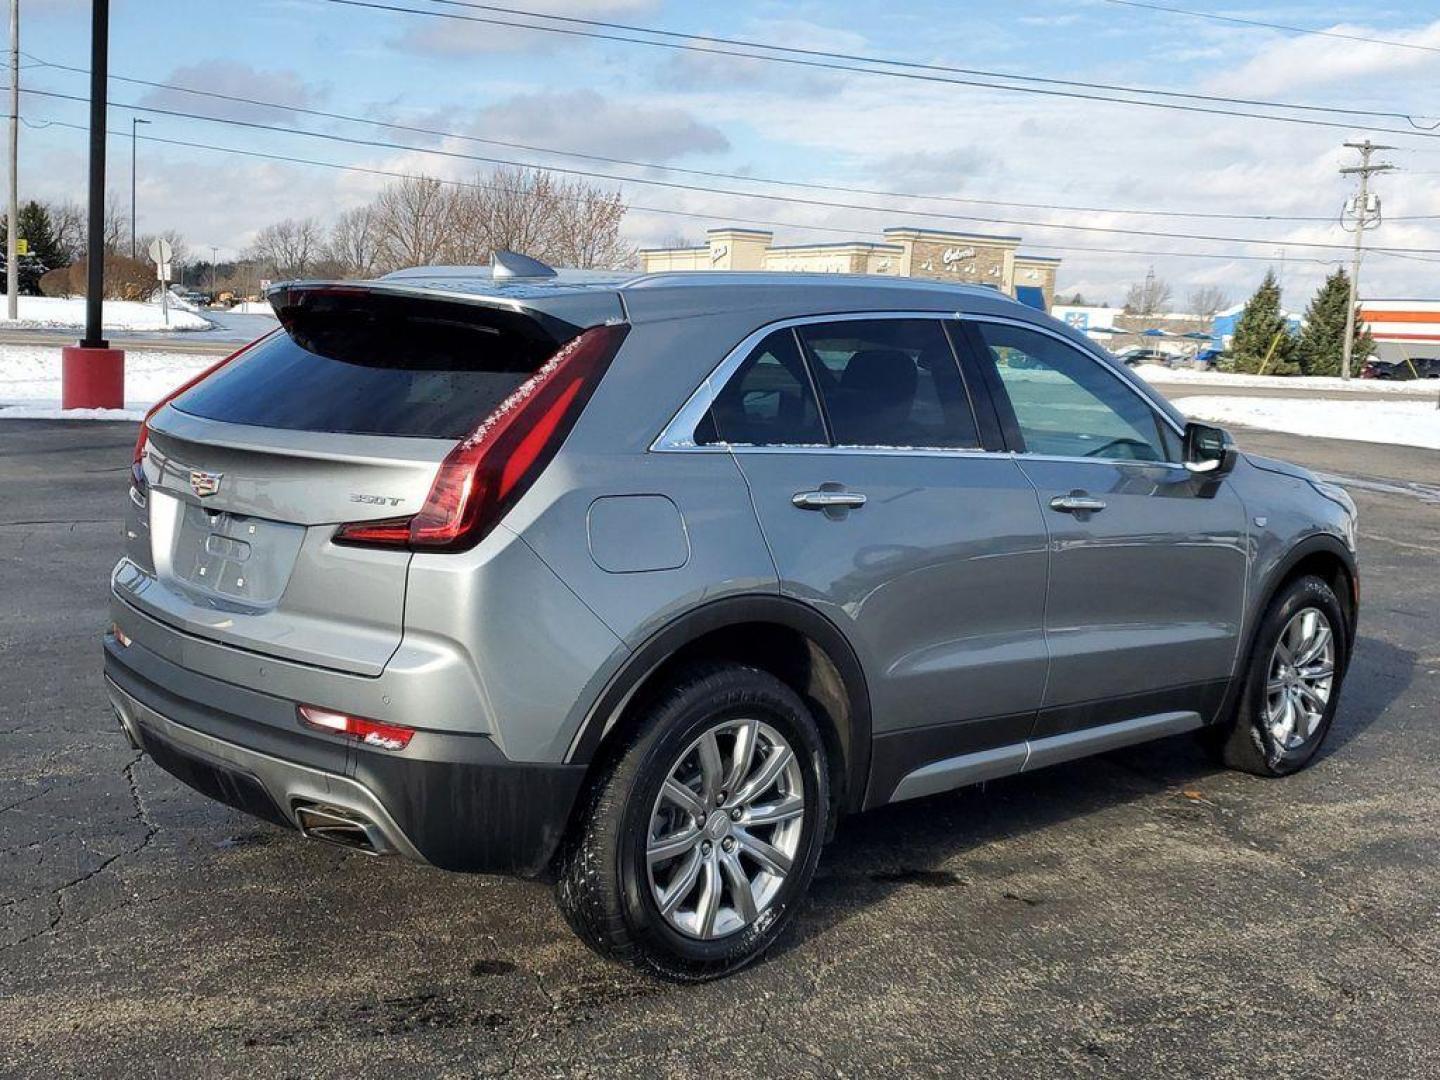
1292,684
702,835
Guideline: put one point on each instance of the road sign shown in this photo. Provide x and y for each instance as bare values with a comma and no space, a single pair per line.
162,271
160,251
22,246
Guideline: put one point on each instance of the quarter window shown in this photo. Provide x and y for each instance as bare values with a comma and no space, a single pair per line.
1067,404
767,402
890,383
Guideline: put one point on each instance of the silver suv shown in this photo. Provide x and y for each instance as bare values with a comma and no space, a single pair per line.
645,582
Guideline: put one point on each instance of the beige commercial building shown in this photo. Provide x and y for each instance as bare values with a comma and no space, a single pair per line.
966,258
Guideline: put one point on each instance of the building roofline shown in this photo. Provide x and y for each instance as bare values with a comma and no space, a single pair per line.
949,232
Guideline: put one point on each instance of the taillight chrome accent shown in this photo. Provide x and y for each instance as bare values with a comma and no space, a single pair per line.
369,732
487,471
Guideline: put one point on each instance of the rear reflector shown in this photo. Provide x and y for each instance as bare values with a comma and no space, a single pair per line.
488,471
369,732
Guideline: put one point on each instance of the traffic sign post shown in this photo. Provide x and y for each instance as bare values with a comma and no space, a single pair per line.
161,252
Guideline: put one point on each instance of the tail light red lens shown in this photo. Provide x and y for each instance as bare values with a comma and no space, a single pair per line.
488,471
137,470
369,732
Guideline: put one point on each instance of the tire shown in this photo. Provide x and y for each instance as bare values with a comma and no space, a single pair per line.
1250,741
608,889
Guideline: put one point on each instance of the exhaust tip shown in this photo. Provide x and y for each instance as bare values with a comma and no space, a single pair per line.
340,825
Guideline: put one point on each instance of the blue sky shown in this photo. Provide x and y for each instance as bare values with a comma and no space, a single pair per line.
765,120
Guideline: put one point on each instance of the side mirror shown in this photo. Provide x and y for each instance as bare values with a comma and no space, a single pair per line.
1208,450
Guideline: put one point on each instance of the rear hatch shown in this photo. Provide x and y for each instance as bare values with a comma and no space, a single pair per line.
343,415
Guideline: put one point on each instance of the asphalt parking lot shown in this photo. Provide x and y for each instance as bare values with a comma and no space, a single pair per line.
1140,914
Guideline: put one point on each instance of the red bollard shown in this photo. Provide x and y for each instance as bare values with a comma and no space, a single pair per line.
92,378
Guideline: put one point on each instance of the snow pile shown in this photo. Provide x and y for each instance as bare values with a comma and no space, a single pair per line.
1294,383
68,313
30,382
253,307
1395,423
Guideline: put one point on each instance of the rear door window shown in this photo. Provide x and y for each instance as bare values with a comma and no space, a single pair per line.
377,367
890,383
767,402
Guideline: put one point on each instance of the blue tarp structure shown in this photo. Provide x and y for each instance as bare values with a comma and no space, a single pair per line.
1031,296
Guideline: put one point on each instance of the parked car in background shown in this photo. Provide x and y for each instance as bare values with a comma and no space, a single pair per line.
1419,368
1138,354
647,581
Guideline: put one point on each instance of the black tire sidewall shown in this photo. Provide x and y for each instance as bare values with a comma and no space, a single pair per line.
732,694
1303,593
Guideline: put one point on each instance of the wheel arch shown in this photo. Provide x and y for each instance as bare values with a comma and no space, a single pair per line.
1322,554
787,638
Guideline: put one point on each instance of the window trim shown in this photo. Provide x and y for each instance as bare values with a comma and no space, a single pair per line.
1000,396
678,436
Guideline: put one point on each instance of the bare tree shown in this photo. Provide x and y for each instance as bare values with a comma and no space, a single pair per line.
413,219
1207,300
354,245
117,225
1149,297
287,249
67,220
587,228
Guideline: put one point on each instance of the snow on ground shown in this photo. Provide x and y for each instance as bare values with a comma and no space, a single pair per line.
1295,383
1397,423
250,307
68,313
30,382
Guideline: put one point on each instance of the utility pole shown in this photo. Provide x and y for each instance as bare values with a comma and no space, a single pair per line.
214,271
12,238
1364,209
135,123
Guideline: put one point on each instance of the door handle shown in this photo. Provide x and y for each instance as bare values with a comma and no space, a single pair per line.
1077,502
828,500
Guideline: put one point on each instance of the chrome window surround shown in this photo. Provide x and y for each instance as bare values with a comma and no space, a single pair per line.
678,436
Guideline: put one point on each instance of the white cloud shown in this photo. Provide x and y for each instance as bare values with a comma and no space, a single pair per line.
230,77
1307,61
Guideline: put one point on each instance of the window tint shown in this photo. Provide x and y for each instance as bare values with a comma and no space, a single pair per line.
373,371
1066,403
890,382
767,402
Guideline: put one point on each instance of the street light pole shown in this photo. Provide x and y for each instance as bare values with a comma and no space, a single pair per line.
12,237
135,123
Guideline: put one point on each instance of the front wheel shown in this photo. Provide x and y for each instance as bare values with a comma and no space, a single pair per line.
702,835
1292,683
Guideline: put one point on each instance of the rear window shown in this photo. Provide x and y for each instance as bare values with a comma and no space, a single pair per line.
377,366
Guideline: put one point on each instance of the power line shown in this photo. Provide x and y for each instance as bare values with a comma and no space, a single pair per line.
1273,26
750,43
918,75
677,186
667,211
708,173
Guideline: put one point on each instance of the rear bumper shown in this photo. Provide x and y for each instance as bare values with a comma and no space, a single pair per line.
452,801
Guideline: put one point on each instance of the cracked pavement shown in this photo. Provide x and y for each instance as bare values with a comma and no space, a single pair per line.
1139,914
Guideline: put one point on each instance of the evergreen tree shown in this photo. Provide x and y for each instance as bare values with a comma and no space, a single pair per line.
1262,335
1322,341
37,230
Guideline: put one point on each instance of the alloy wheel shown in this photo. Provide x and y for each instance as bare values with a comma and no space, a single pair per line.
725,829
1301,675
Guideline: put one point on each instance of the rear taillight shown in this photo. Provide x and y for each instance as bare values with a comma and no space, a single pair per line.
369,732
494,465
137,462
